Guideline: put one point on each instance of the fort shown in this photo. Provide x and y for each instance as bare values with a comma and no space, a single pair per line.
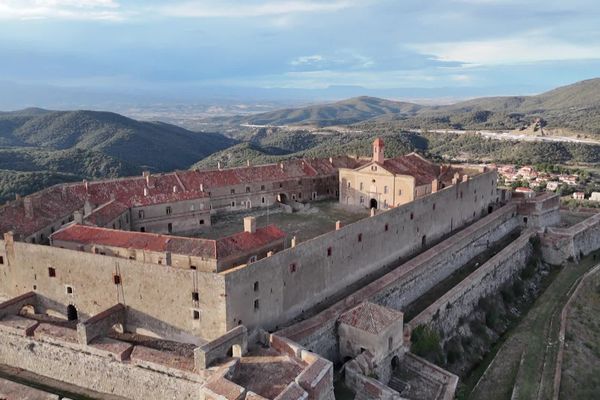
114,286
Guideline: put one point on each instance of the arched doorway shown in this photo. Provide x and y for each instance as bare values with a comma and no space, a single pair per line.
373,203
282,198
72,313
395,363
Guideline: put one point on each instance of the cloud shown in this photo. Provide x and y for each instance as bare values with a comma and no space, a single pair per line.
60,9
230,9
342,59
307,60
526,48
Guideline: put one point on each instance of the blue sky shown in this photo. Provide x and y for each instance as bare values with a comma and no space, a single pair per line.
502,46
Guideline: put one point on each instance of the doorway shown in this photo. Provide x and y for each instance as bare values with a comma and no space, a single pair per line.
373,204
72,313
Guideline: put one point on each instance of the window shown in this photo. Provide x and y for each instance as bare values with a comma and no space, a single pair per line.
114,226
385,189
51,272
293,267
256,305
360,237
117,279
362,200
169,210
201,222
142,229
233,204
361,186
141,214
69,290
280,185
193,267
329,251
412,215
1,259
232,191
299,183
196,314
170,227
434,206
247,189
348,184
300,195
195,296
262,187
252,259
399,192
262,200
386,227
256,286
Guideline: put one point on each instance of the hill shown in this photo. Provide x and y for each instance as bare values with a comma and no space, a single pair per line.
341,113
41,147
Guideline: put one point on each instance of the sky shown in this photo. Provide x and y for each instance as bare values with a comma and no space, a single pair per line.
385,47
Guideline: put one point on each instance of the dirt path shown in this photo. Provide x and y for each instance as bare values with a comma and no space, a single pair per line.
524,366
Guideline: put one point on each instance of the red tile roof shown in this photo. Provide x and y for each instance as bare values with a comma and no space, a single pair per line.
103,215
244,242
136,240
422,170
62,200
370,317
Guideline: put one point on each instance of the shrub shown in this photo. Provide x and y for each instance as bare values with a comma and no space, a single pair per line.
425,342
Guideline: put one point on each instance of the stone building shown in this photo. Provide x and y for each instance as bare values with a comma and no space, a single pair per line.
383,183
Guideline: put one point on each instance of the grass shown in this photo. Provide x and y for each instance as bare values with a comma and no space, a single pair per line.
531,347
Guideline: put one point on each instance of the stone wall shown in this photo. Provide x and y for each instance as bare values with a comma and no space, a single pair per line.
93,371
158,298
298,278
445,313
407,282
559,244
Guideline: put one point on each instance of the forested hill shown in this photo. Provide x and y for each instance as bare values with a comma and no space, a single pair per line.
40,147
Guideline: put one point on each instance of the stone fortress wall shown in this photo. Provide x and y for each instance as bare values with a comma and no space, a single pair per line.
276,289
560,244
445,313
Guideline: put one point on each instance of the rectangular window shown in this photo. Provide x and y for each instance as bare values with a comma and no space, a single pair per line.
387,227
2,260
117,279
247,189
361,186
141,214
329,251
262,187
232,191
201,222
196,314
233,204
142,229
170,227
51,272
293,267
169,210
195,296
385,189
69,290
256,305
300,195
360,237
399,192
193,267
262,200
256,286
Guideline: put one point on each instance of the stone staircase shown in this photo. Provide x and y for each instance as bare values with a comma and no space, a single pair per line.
397,384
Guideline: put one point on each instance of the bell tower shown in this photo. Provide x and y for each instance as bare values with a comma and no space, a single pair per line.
378,151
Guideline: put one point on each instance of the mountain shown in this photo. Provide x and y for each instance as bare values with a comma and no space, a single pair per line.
574,108
340,113
41,147
152,145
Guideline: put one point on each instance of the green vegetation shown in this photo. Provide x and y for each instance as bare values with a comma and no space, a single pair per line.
425,342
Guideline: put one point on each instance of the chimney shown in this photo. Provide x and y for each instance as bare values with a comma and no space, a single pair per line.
87,207
28,204
146,192
86,185
202,187
331,160
250,224
247,163
149,181
78,217
281,165
434,186
219,165
269,253
338,225
378,151
293,244
174,188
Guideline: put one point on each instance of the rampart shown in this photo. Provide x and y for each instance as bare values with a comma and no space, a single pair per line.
559,245
407,282
444,314
276,289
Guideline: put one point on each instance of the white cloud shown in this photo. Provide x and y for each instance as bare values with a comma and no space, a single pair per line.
526,48
230,9
307,60
61,9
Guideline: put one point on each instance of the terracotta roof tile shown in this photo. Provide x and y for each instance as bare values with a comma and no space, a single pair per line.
370,317
243,242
